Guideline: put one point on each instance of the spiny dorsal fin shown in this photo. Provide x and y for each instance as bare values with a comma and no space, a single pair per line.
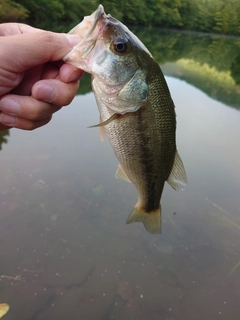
177,178
121,174
150,220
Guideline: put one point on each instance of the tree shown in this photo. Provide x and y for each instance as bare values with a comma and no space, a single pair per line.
12,11
167,13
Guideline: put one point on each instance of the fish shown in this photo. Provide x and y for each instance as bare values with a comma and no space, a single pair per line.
137,112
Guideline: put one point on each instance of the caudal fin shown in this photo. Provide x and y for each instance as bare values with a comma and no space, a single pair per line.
150,220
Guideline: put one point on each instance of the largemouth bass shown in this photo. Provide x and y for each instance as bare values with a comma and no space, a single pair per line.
136,110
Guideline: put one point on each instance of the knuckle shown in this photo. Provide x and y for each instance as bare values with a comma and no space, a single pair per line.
45,37
31,127
24,124
35,114
33,110
67,100
53,44
31,114
66,96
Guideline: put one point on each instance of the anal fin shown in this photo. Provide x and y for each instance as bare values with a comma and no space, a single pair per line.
178,178
121,174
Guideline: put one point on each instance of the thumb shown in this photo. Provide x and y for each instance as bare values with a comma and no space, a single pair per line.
23,51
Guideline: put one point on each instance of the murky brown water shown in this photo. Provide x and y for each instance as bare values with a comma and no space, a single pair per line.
65,251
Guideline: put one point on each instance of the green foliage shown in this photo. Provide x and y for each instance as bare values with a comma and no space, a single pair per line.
12,11
167,13
85,85
3,137
235,69
144,10
74,12
112,7
217,16
196,15
43,12
57,15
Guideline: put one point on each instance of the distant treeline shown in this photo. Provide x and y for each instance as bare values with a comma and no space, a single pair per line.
216,16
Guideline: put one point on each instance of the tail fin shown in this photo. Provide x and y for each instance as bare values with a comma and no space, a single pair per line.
150,220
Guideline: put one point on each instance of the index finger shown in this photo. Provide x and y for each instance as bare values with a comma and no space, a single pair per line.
23,51
9,29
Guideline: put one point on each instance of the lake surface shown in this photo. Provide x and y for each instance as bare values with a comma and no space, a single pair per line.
65,250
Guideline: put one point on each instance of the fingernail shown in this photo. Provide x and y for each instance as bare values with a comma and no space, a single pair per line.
73,39
75,75
45,92
9,105
7,120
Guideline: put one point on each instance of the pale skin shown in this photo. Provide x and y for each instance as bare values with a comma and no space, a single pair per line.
34,82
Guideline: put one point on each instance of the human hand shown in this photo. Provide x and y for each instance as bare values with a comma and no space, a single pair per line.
34,82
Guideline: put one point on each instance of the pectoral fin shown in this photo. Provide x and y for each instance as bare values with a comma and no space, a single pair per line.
102,124
121,174
177,178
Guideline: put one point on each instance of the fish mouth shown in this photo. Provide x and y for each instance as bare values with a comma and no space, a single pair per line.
97,26
90,29
93,20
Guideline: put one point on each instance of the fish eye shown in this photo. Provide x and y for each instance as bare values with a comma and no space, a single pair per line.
120,46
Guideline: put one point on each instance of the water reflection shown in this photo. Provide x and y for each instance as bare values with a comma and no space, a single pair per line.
65,249
235,69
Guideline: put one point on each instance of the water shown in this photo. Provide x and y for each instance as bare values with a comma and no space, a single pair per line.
64,247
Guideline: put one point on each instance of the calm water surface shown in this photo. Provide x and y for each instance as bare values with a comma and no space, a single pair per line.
65,251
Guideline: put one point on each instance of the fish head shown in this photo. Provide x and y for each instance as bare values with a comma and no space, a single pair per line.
116,58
